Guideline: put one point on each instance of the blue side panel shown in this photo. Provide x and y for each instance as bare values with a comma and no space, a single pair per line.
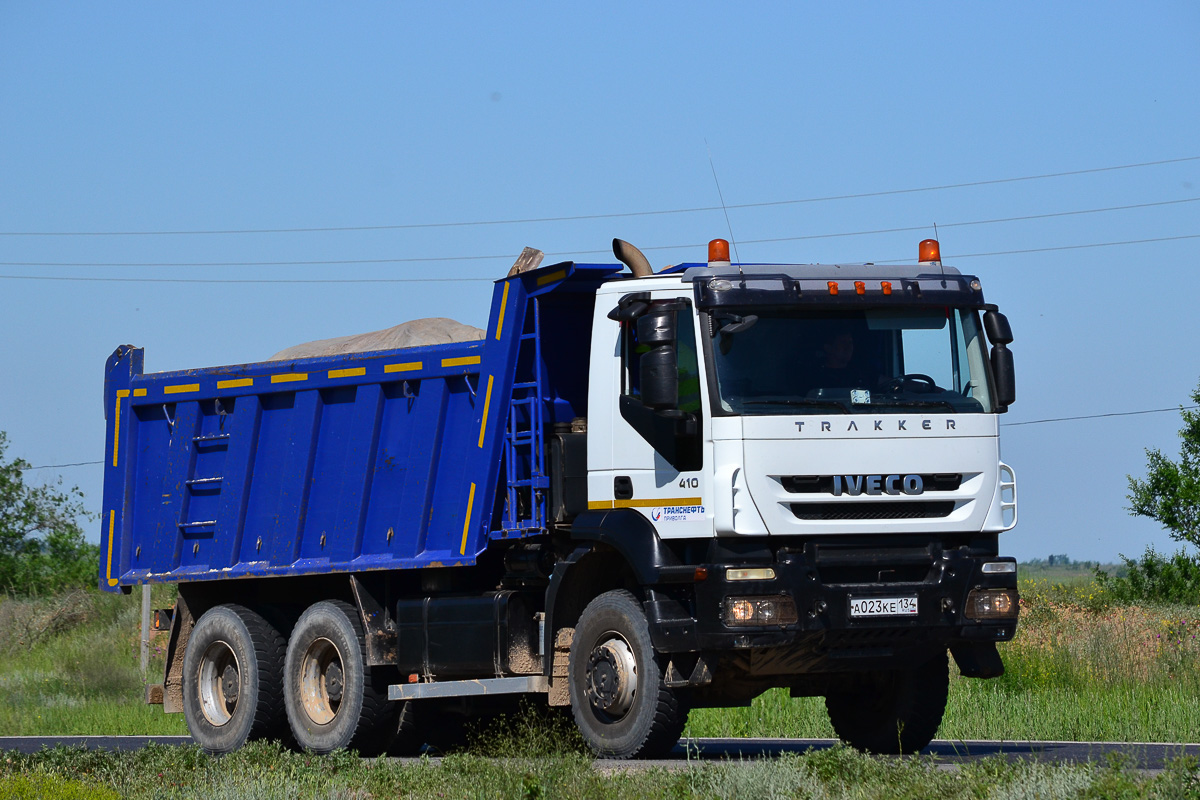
383,460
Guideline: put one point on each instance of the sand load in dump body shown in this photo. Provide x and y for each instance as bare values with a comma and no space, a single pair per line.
366,461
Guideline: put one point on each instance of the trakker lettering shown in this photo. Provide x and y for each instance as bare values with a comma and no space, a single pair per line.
852,425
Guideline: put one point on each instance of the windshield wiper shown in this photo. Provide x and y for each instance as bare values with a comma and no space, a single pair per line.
798,401
915,403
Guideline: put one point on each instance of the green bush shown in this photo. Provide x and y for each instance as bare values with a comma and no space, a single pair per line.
51,787
42,549
1154,578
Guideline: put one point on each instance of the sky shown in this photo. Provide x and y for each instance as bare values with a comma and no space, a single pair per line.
562,126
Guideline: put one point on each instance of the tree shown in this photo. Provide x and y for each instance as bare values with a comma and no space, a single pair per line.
42,548
1170,493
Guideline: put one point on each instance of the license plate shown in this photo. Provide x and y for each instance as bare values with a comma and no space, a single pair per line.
883,606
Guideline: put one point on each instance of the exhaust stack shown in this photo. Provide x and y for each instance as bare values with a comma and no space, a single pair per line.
633,258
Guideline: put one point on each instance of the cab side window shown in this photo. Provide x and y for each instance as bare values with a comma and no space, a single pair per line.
674,432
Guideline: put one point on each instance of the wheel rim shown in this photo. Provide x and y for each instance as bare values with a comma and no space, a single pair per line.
220,683
612,677
322,681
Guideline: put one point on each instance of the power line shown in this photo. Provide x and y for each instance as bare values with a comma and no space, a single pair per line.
464,279
1098,416
616,215
437,259
64,466
1003,424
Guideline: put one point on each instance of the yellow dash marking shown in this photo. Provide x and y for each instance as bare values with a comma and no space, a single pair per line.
353,372
658,502
503,305
234,383
139,392
552,277
181,388
460,362
117,424
467,522
596,505
289,377
410,366
487,402
112,524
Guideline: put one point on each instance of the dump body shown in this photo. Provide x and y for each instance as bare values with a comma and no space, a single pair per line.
381,460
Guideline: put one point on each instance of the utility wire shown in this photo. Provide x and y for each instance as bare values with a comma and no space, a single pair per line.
1098,416
435,259
63,466
617,215
1003,424
77,278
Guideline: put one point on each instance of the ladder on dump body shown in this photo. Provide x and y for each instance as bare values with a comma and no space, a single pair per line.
524,442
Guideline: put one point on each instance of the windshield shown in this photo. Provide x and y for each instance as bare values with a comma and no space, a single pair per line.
789,361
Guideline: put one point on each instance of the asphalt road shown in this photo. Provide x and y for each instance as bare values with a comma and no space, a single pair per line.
1150,756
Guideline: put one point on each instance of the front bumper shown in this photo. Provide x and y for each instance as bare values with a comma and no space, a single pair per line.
822,582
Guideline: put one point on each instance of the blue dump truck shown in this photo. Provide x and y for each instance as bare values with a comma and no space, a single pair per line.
640,493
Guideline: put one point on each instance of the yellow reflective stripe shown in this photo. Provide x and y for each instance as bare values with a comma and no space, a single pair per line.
353,372
139,392
552,277
112,524
596,505
181,388
410,366
467,522
487,402
462,361
117,424
234,383
503,305
289,377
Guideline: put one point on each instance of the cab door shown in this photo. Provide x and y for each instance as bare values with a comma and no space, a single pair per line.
659,461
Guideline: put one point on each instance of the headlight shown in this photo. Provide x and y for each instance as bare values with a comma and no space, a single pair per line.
772,610
749,574
991,604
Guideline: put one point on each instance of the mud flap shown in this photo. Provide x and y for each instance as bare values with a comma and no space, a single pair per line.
977,659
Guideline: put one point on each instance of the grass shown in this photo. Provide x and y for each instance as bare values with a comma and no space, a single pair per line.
70,665
1080,668
264,770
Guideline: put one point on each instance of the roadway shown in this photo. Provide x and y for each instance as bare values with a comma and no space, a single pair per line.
1142,755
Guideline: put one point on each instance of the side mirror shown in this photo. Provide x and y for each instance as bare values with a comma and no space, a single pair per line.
1005,377
997,327
659,366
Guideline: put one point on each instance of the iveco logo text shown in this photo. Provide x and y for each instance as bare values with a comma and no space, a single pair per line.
877,484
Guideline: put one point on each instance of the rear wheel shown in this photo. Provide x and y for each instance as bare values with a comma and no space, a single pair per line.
897,712
334,699
618,698
232,679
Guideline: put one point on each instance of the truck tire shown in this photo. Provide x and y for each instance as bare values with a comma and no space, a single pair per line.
232,679
618,698
334,700
898,715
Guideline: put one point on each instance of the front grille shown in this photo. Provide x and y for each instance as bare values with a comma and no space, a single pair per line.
928,509
823,484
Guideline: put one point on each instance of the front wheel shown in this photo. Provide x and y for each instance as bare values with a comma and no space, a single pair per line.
618,698
232,675
896,712
334,699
